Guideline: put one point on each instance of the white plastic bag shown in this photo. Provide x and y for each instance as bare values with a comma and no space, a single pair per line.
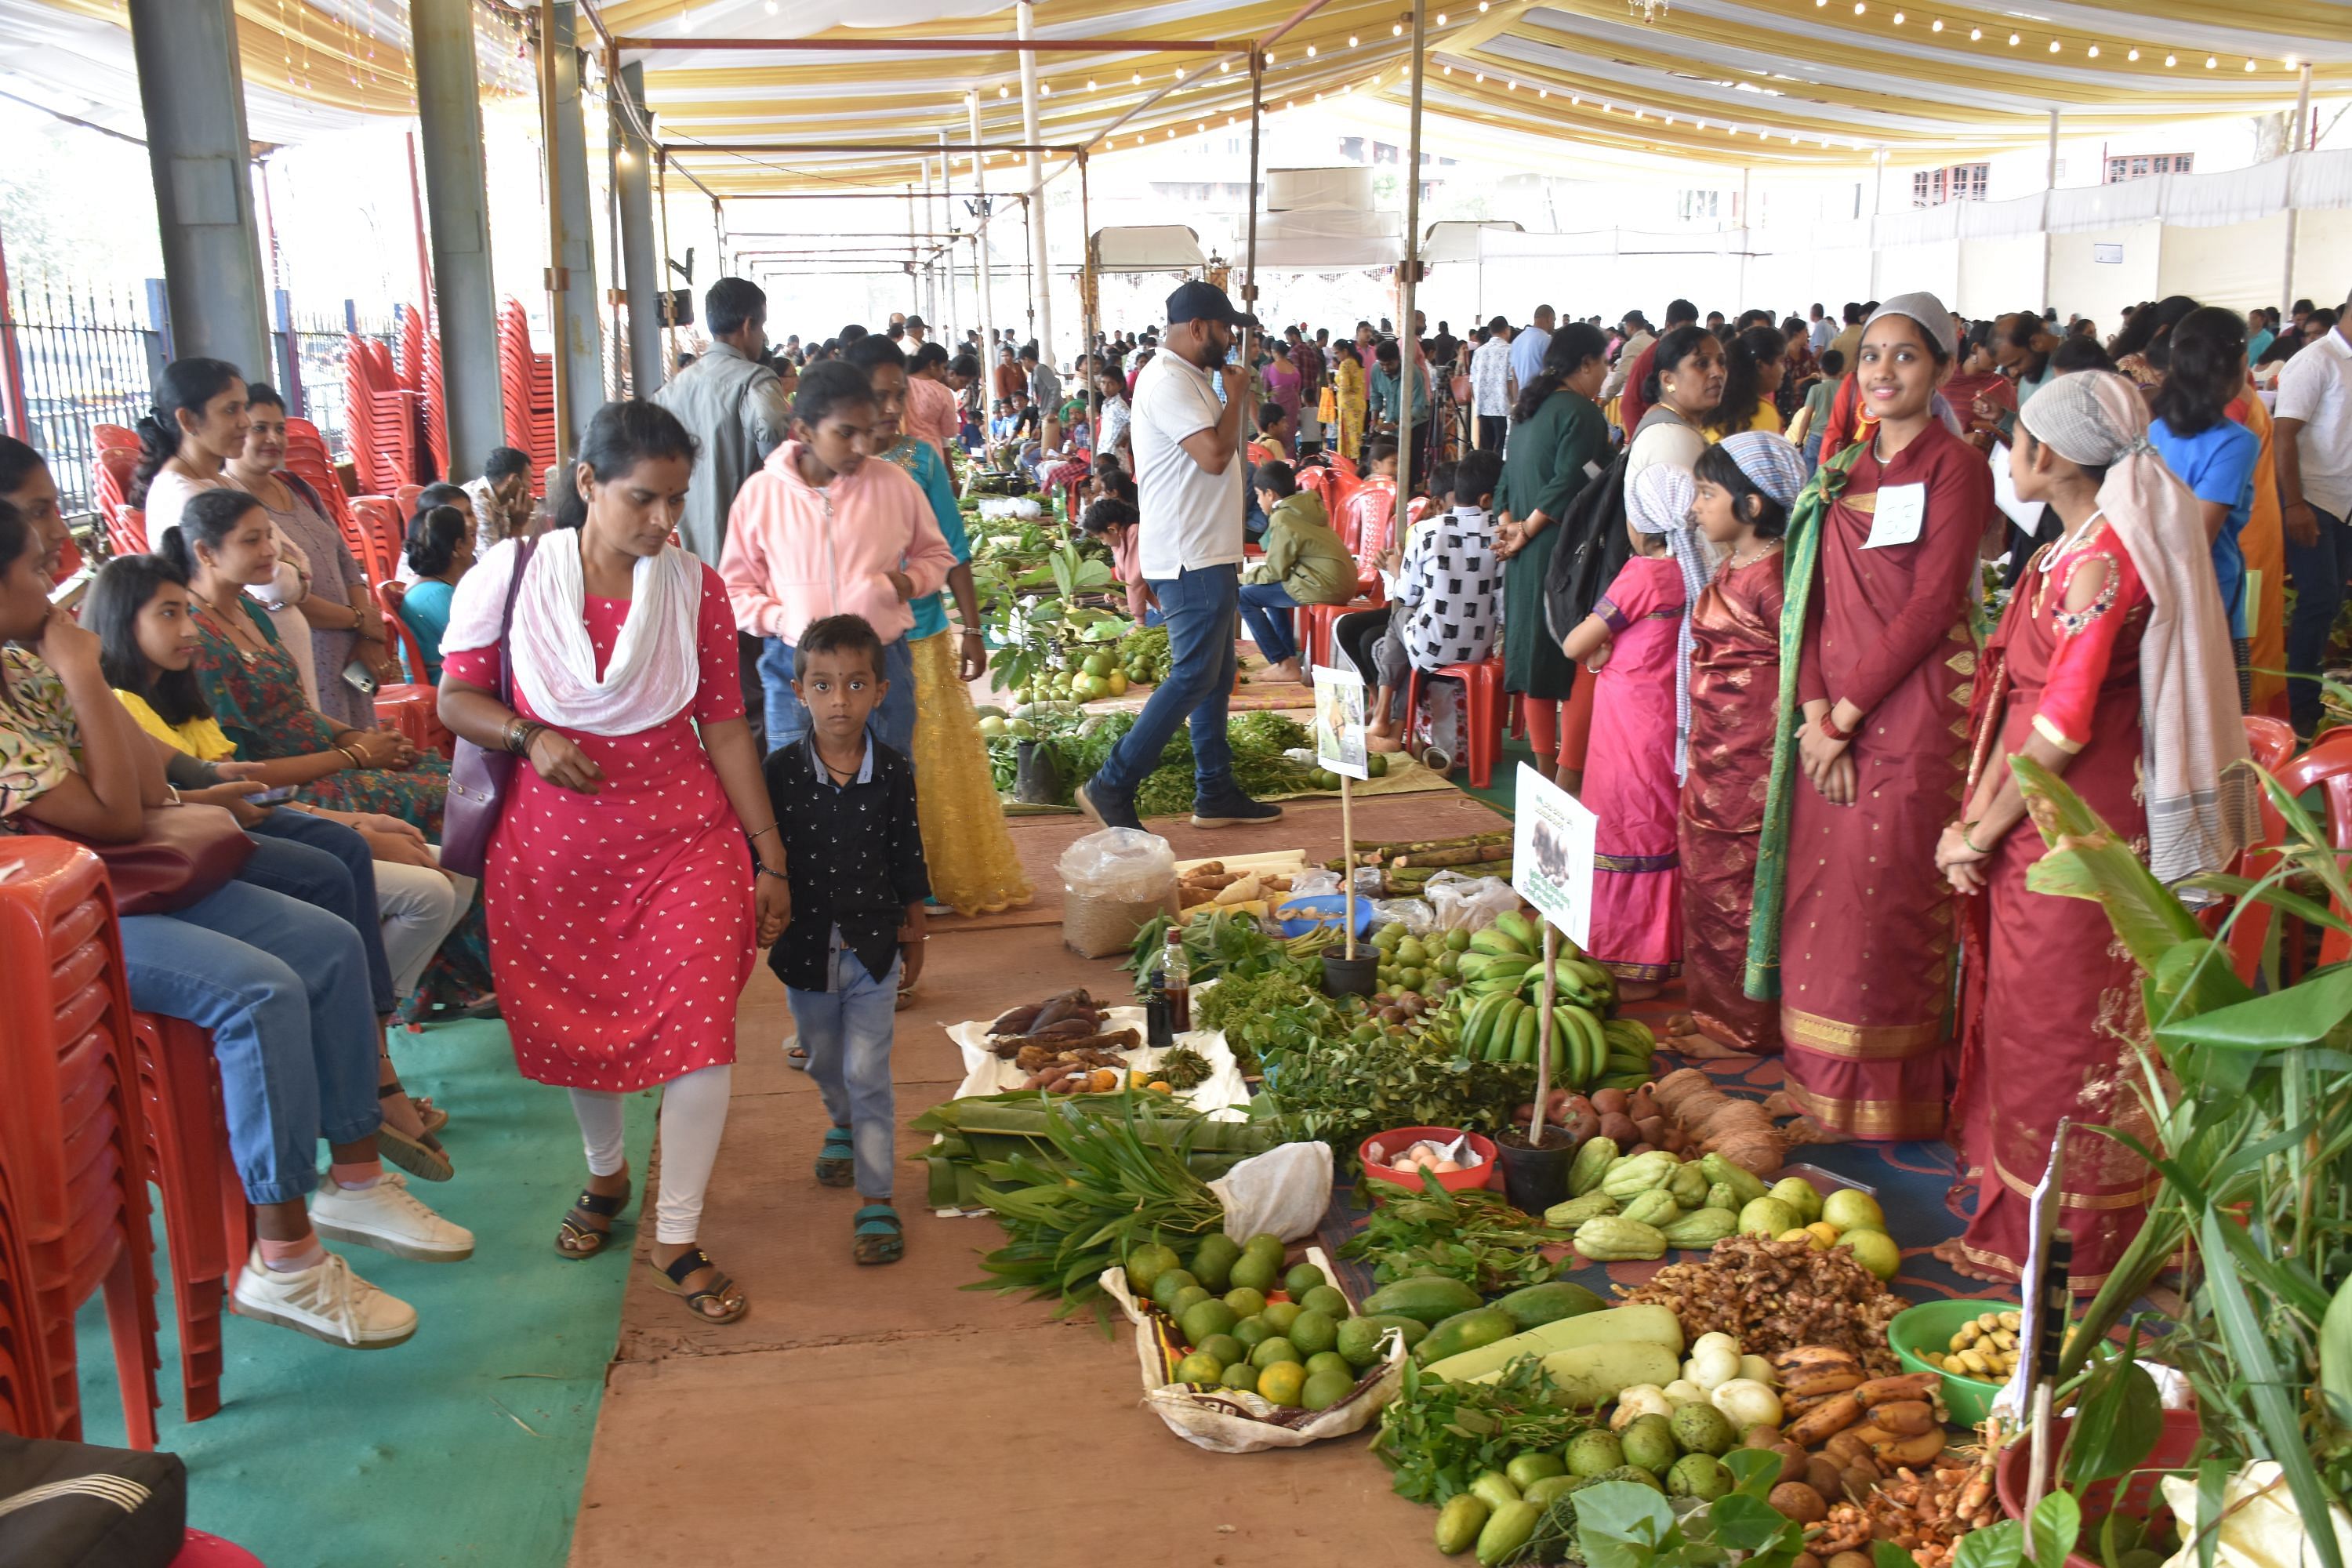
1415,914
1124,865
1283,1192
1468,903
1230,1420
1312,884
2261,1526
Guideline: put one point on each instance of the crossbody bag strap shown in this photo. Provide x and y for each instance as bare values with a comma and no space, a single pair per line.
506,622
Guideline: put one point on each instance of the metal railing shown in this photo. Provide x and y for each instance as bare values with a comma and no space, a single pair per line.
87,358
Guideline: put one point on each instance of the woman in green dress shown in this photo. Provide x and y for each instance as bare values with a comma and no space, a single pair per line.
1559,441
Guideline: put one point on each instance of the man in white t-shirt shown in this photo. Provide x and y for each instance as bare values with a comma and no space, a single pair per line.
1185,431
2312,442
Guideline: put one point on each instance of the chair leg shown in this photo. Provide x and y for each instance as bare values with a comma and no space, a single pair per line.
135,1345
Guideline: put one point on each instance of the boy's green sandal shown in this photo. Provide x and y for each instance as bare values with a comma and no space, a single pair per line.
878,1238
837,1161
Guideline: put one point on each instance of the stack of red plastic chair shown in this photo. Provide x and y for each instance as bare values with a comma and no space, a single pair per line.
529,382
420,372
307,459
24,1363
2326,767
410,706
379,415
71,1135
207,1223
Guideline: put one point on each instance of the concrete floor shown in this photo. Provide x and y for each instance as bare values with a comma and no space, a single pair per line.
869,1416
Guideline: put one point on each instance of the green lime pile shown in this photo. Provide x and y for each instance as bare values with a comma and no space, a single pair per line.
1305,1351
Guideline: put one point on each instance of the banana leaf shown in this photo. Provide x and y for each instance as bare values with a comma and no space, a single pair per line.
2086,860
2301,1014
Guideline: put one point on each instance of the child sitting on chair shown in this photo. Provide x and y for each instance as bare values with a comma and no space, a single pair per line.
1451,588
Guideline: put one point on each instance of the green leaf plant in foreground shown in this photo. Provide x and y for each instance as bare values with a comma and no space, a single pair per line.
2245,1115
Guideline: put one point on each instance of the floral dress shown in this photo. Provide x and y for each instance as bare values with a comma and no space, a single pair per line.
257,697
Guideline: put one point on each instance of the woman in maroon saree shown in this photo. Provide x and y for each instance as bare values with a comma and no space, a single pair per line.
2051,1009
1746,487
1866,935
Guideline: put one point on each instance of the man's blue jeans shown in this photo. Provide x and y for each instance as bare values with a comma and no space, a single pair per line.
1203,607
892,723
847,1032
2318,570
284,990
1266,608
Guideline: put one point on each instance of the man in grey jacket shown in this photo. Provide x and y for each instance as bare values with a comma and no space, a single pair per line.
735,408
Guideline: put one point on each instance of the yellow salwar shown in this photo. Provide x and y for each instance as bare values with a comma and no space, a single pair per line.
1349,376
966,846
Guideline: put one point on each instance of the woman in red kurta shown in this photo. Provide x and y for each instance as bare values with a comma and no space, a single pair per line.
1746,487
2051,1010
1867,931
621,900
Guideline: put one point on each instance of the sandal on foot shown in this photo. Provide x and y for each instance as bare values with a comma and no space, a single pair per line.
732,1303
422,1157
837,1161
906,999
878,1238
579,1239
431,1117
796,1056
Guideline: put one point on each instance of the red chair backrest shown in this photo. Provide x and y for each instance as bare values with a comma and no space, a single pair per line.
1370,512
2327,767
1317,483
109,437
126,531
406,498
115,464
377,539
412,656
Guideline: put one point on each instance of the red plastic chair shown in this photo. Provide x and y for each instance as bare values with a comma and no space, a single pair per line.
112,478
1366,519
106,437
126,532
1312,623
207,1224
24,1363
378,535
405,497
2327,767
412,707
1482,721
71,1135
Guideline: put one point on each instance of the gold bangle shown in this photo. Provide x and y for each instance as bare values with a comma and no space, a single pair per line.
763,833
356,760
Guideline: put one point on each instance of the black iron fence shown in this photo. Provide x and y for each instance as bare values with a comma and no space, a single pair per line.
86,358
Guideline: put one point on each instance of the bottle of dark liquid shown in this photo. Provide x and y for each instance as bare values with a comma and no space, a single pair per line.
1176,983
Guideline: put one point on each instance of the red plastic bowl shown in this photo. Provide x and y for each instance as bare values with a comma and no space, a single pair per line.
2138,1495
1486,1173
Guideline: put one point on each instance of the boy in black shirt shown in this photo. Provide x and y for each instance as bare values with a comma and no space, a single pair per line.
845,804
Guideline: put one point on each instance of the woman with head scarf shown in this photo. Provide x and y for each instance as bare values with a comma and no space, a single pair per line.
1636,642
1853,926
2112,667
1745,488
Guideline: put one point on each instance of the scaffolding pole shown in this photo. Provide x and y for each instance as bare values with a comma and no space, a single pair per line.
1040,263
980,249
1409,350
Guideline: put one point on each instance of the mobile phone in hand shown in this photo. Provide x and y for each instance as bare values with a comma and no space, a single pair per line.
277,796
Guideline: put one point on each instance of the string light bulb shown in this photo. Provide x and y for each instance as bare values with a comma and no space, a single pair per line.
1180,73
1090,84
2013,40
2094,51
2171,60
2134,56
1224,67
2250,65
2053,46
1396,30
2210,62
1004,92
1310,51
1898,18
1441,18
1136,80
1937,25
1351,40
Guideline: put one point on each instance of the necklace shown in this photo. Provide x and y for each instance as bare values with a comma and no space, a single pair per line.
1766,548
241,637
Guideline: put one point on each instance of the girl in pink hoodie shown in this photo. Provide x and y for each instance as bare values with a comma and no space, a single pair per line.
818,531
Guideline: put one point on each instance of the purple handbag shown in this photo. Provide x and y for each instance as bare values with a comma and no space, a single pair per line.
478,777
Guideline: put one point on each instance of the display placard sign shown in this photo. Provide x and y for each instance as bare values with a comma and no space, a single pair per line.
2107,255
1553,842
1339,721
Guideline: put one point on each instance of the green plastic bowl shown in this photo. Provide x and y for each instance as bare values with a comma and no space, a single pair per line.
1931,1327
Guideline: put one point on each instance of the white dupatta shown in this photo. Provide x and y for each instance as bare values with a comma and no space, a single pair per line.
654,669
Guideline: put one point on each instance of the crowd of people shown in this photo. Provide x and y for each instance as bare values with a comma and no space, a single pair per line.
713,696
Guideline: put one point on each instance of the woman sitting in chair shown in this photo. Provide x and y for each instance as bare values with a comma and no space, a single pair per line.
440,551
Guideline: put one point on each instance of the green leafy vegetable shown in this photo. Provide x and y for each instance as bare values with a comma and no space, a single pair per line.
1438,1435
1474,1237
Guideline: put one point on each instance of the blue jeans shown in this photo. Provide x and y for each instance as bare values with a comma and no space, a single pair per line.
1271,632
2318,572
284,993
892,721
1203,613
847,1032
351,896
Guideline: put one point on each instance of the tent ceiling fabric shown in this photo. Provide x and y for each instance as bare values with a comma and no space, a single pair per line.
1769,84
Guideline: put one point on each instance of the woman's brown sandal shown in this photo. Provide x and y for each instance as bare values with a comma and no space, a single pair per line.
732,1303
421,1156
579,1239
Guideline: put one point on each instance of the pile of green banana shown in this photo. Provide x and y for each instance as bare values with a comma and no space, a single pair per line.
1499,1000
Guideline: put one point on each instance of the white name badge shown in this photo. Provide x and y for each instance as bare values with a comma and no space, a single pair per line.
1902,509
1592,470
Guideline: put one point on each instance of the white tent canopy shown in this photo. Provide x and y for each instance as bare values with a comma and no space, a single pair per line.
1327,239
1456,241
1149,248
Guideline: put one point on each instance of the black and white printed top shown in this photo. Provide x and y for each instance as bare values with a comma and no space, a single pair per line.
1454,585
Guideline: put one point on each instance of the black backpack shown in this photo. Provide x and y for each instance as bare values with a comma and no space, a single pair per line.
1592,549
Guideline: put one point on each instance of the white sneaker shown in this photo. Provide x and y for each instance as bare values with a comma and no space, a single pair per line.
327,1303
388,1217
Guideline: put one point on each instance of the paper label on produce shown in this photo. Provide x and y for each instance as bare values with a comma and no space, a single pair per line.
1551,854
1339,721
1900,512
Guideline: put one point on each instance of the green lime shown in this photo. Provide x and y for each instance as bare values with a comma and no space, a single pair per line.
1282,1314
1376,766
1224,1347
1283,1382
1244,1301
1240,1376
1329,1360
1165,1285
1097,664
1199,1370
1252,1271
1206,1317
1146,1264
1213,1262
1253,1333
1324,1389
1325,1299
1311,1332
1184,1301
1271,1351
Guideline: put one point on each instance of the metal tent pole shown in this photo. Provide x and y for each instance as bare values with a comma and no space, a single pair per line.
1409,348
449,128
1249,255
558,284
2049,195
1040,262
2296,138
980,254
1089,322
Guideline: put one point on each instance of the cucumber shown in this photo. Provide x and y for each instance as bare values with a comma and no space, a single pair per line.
1459,1522
1428,1300
1465,1331
1536,1305
1508,1528
1495,1488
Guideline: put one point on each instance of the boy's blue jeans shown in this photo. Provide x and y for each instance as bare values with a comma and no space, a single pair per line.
846,1031
892,721
1266,608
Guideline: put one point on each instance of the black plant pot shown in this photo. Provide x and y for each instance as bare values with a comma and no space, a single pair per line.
1536,1179
1036,781
1344,976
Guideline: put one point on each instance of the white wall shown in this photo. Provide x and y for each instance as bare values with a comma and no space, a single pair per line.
1998,276
2323,259
2103,290
2238,264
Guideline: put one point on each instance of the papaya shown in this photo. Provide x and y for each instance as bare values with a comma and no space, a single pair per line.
1429,1301
1548,1303
1474,1329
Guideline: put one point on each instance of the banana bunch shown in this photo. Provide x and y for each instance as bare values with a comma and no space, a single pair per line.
1588,1051
1507,958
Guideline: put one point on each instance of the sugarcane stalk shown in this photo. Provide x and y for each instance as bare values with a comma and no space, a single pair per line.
1414,875
1460,855
1378,854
